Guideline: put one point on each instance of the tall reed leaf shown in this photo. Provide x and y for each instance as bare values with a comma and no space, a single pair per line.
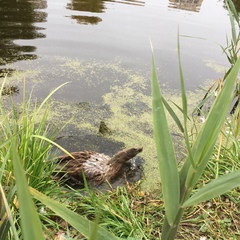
215,188
184,106
30,223
165,152
173,115
83,225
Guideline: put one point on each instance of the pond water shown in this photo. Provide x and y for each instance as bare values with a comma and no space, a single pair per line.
115,31
103,49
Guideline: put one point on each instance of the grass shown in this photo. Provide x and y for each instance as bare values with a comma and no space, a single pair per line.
133,214
19,150
27,163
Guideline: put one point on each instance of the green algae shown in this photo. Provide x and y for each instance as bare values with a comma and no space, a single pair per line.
216,67
128,113
124,105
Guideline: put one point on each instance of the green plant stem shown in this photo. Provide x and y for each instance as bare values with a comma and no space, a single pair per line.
169,231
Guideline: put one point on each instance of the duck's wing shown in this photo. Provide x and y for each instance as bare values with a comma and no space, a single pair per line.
72,169
80,157
93,165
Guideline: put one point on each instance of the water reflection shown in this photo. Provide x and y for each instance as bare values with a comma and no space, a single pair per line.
17,19
86,19
132,2
94,6
189,5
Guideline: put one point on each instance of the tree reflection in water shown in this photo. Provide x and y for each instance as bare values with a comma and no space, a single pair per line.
17,22
189,5
94,6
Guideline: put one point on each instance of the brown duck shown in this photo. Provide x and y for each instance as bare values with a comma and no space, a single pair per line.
96,167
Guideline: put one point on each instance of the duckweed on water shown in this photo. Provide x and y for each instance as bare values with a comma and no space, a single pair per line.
216,67
104,91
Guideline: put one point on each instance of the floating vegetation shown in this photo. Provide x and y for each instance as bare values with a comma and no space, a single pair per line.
103,91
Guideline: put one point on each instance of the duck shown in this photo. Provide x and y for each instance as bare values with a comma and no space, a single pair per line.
95,167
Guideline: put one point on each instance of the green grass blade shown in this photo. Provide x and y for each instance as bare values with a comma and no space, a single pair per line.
30,223
204,144
83,225
215,188
173,115
4,228
48,97
9,218
185,108
165,152
234,37
232,10
183,92
55,144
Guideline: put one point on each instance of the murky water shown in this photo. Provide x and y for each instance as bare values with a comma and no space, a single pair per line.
102,49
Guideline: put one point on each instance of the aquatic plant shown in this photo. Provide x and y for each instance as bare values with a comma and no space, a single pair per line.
178,186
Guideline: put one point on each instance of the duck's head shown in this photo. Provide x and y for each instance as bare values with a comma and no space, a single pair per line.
126,154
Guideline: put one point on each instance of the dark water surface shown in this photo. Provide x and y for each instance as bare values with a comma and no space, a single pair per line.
102,48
